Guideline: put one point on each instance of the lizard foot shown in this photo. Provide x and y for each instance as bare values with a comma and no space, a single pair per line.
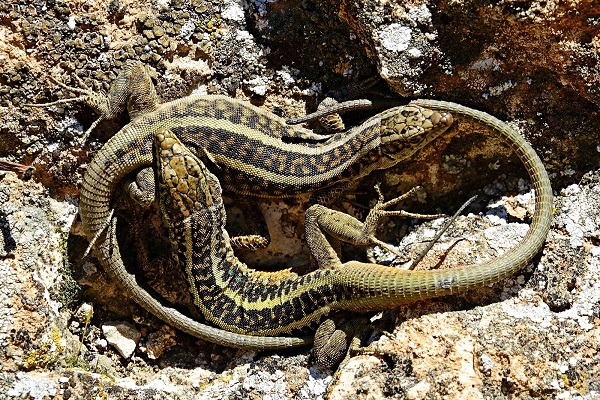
346,228
99,102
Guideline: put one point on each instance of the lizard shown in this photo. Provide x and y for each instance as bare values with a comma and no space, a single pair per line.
236,298
251,153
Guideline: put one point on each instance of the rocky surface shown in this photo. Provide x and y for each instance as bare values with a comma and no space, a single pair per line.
532,64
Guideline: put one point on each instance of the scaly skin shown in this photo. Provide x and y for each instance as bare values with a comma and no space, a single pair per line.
380,288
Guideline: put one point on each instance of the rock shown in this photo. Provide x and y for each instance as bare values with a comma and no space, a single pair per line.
84,313
33,387
160,341
532,64
122,336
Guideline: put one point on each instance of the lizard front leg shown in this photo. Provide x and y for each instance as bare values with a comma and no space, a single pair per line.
321,220
133,91
142,189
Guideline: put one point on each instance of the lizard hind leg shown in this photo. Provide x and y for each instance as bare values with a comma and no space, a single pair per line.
347,95
99,102
256,233
337,338
321,220
142,189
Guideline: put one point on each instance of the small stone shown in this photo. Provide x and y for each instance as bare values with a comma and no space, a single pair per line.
160,341
71,23
122,336
149,23
148,33
3,252
486,364
85,311
158,31
164,41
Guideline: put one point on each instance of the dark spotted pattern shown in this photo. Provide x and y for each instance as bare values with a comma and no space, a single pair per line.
295,168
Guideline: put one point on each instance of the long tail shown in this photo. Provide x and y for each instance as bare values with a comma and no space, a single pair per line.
384,287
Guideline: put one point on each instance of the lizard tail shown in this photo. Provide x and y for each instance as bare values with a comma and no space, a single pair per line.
385,287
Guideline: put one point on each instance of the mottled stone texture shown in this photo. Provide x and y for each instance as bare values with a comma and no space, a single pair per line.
533,64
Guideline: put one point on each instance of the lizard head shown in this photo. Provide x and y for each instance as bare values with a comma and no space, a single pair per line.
406,129
184,182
